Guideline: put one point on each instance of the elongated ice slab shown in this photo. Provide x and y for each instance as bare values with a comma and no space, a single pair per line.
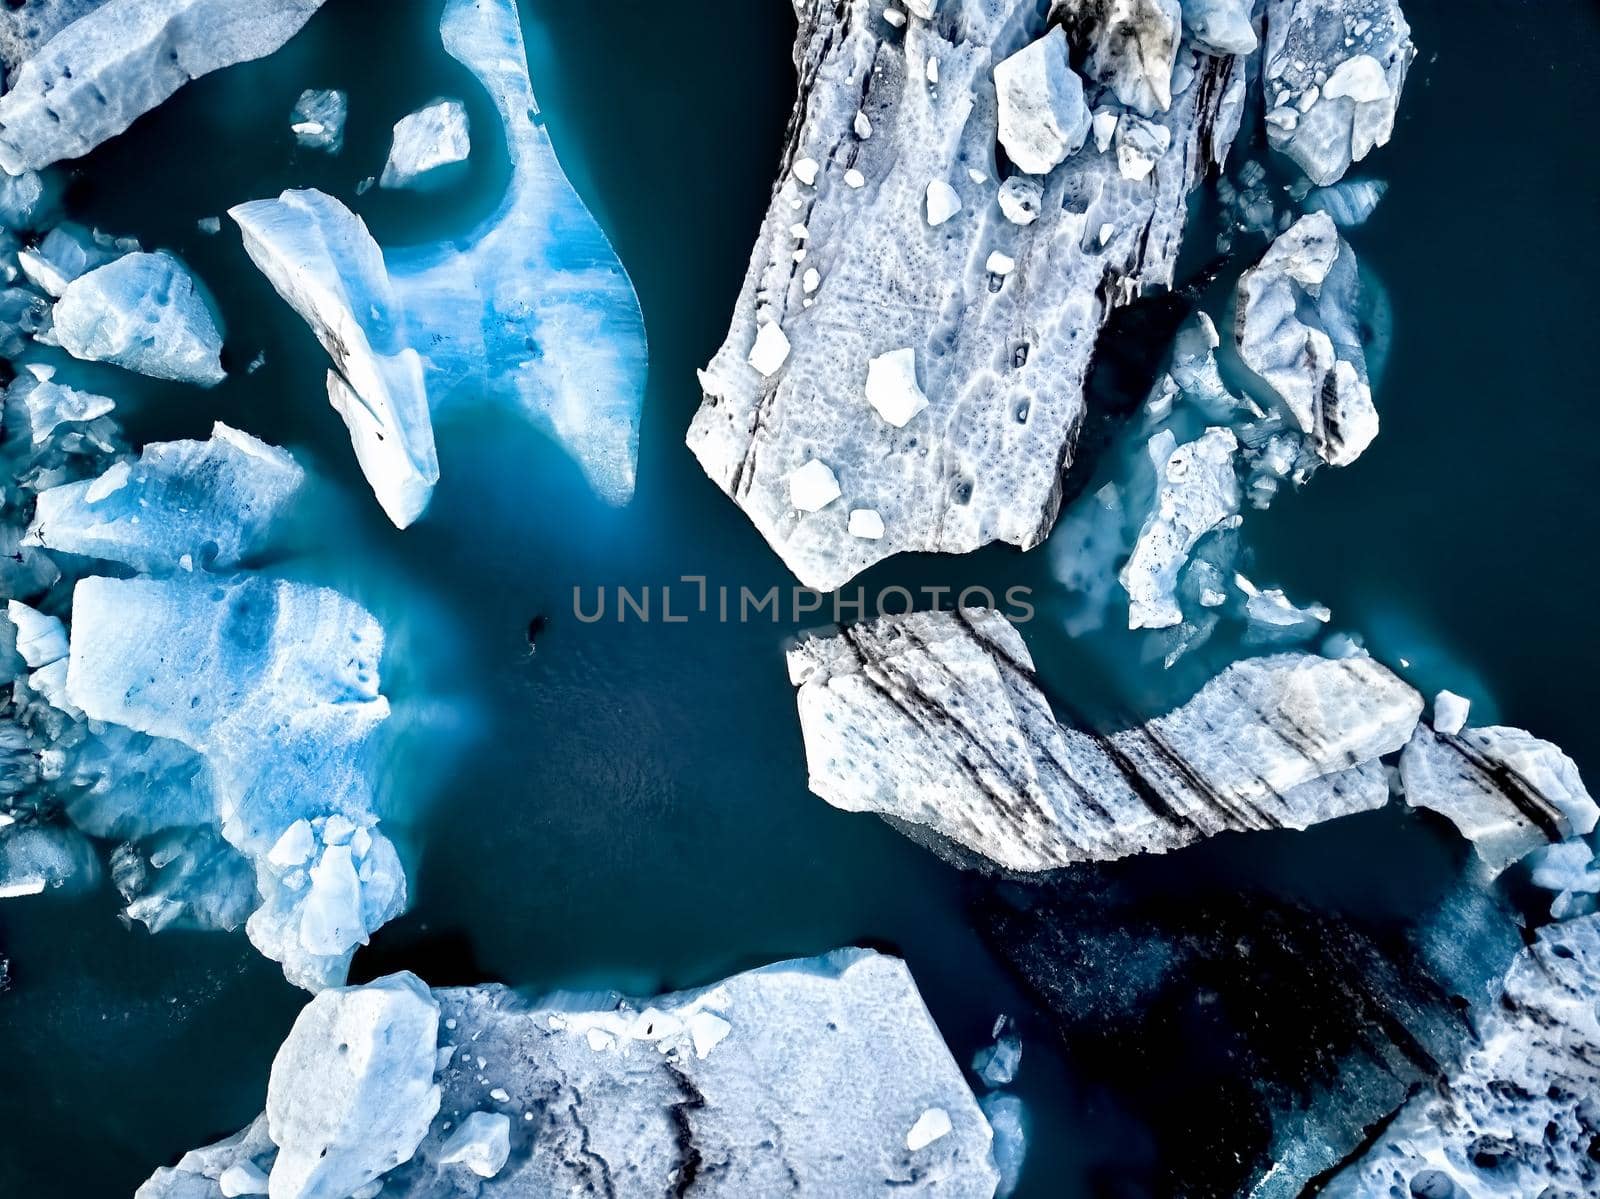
532,306
103,71
145,313
321,259
184,505
824,1076
935,720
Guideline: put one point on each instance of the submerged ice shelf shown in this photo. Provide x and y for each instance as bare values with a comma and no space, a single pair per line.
822,1076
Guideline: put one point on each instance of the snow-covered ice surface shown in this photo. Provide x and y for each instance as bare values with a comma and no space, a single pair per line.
1001,357
936,721
1520,1115
824,1076
145,313
532,307
119,60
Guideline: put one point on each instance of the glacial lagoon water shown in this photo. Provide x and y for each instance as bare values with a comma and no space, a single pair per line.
626,806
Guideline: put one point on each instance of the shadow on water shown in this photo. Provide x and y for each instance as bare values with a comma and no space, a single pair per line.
626,805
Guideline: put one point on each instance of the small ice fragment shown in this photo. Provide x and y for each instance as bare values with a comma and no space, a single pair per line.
482,1144
863,125
500,1095
813,486
930,1126
426,141
892,387
1000,264
242,1178
294,847
1450,713
1021,200
209,225
811,280
770,351
854,178
943,203
805,170
895,17
866,524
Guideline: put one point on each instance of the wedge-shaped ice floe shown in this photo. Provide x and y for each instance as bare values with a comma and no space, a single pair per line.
1507,791
824,1076
145,313
1520,1115
935,721
532,307
425,142
1333,74
183,505
1296,329
115,63
1000,303
321,259
276,684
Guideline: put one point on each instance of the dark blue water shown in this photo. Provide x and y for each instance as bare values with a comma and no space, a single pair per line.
627,807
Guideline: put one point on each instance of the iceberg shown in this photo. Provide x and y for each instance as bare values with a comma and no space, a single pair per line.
1131,47
426,142
1001,354
35,858
1508,792
532,306
935,721
184,505
321,259
318,119
120,59
275,683
824,1076
1297,331
144,313
1332,75
1520,1115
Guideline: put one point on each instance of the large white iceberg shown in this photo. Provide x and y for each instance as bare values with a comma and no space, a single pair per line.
321,259
820,1077
103,71
145,313
183,505
936,721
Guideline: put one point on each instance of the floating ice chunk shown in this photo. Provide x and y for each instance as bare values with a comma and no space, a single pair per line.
866,523
1196,489
214,502
826,1064
1043,118
813,487
892,388
41,639
1282,741
532,305
1008,1118
943,202
854,178
352,1092
145,313
321,259
1131,46
895,17
770,351
1220,26
319,117
1450,712
1506,791
1140,145
1297,331
1348,87
482,1143
1000,264
295,846
1565,867
923,8
805,170
331,923
997,1064
425,142
38,858
242,1178
862,126
98,75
